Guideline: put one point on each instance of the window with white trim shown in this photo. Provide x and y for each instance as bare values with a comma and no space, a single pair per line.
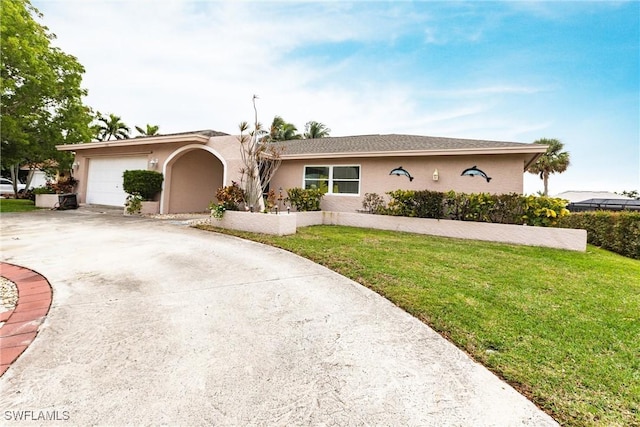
343,179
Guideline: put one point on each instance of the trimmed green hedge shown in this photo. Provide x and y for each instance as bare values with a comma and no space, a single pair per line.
481,207
142,182
615,231
305,199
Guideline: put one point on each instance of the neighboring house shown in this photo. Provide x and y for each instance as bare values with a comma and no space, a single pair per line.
581,201
581,196
196,164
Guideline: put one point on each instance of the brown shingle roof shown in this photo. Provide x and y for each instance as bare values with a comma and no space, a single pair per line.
390,143
207,132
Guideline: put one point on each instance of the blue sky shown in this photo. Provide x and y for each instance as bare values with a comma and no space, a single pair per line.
515,71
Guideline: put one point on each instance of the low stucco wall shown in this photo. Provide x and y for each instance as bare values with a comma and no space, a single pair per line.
560,238
283,224
280,224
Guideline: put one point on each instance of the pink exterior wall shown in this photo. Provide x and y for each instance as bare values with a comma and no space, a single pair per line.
506,172
150,151
192,181
192,171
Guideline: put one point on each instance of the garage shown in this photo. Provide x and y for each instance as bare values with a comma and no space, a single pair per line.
104,180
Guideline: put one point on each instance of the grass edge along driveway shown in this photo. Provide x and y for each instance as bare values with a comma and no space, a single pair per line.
17,205
562,327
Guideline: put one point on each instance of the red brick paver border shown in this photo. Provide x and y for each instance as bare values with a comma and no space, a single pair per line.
22,323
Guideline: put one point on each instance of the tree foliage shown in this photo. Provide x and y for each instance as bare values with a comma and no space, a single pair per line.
150,130
554,160
41,92
313,130
281,130
111,126
632,193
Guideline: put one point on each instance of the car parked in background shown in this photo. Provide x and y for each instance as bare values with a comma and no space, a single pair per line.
6,186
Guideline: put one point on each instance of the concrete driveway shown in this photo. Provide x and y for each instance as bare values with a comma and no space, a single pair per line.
153,322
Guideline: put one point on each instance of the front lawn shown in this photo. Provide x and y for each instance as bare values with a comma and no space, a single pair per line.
17,205
562,327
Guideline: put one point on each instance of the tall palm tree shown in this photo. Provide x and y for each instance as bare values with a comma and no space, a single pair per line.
554,160
315,129
112,127
288,131
149,131
282,131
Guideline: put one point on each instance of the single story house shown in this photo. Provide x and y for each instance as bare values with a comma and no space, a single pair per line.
581,196
582,201
196,164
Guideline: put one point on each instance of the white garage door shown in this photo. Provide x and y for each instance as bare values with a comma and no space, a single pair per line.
104,183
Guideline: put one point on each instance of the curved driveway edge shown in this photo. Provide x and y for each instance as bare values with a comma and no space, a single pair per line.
153,323
22,322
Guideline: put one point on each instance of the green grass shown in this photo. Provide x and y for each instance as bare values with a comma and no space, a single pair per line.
17,205
562,327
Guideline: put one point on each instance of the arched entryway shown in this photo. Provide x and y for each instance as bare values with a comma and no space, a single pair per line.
192,174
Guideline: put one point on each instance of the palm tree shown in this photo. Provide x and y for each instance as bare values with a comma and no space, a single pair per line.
554,160
287,132
149,131
282,131
315,129
111,127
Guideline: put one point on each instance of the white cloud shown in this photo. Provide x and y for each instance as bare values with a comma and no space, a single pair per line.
195,65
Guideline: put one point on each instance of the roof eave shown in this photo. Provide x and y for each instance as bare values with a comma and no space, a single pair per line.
528,162
131,142
536,151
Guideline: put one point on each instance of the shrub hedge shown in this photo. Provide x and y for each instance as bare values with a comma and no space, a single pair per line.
481,207
615,231
230,196
305,200
145,183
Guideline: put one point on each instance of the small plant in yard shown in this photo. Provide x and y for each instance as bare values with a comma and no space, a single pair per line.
231,196
544,211
305,199
133,203
144,183
270,200
45,189
402,203
229,199
217,210
65,184
372,202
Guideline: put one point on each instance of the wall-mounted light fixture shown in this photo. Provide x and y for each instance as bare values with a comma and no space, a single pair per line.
75,165
153,163
436,175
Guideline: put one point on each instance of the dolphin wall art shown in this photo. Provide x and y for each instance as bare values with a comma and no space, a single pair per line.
473,171
400,171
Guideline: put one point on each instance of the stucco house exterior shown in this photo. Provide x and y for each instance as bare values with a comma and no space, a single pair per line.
196,164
